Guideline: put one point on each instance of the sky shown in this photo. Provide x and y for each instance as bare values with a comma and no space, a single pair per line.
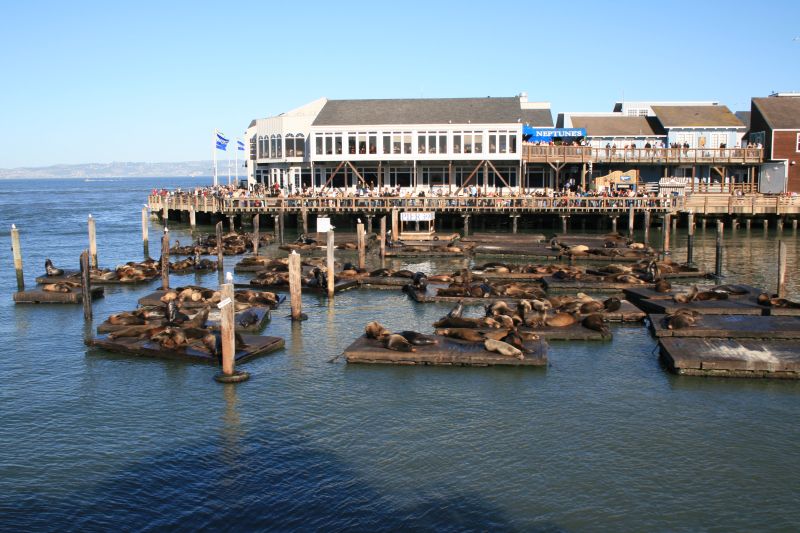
150,81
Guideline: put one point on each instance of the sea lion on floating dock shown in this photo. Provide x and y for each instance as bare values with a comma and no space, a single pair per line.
591,307
498,308
247,319
375,330
784,303
704,296
595,322
457,311
628,278
686,297
380,273
503,348
736,290
561,320
50,270
443,278
417,339
170,338
125,319
56,287
515,339
464,334
662,286
612,304
679,320
396,342
403,274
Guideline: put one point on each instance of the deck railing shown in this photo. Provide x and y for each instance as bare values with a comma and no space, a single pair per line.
584,154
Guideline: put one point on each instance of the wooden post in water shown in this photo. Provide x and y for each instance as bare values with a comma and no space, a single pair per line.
674,224
514,219
165,210
86,286
690,239
747,223
281,225
275,228
304,216
369,224
17,251
192,217
256,234
780,223
395,225
330,265
564,224
219,246
613,224
631,217
647,227
383,239
766,224
794,224
781,269
718,258
666,227
93,241
361,240
145,232
295,286
704,220
231,224
228,334
165,260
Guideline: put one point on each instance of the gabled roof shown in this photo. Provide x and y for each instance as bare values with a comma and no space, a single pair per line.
744,116
700,116
619,126
431,111
780,112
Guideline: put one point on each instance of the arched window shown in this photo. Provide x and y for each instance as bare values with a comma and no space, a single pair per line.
280,147
289,145
299,145
260,146
274,150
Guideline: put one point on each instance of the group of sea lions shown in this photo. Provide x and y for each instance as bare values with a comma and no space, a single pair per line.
774,301
403,341
614,245
717,292
463,287
195,263
681,318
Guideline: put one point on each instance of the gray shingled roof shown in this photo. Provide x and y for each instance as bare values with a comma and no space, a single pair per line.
744,116
780,112
622,126
431,111
696,116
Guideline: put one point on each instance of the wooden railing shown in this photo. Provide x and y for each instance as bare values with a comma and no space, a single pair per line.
755,204
584,154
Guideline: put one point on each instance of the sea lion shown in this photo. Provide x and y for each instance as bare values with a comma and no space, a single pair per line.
595,322
381,272
612,304
247,319
662,286
56,287
505,321
461,333
50,270
578,249
515,339
375,330
396,342
503,348
498,334
704,296
591,307
443,278
498,308
764,299
524,308
736,290
403,274
560,320
417,339
458,322
686,297
628,278
457,311
784,303
680,321
125,319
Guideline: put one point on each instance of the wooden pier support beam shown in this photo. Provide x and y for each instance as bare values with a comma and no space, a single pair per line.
514,219
192,217
281,225
647,227
220,261
92,240
17,251
295,286
165,260
613,224
466,224
231,223
780,223
330,264
369,224
564,224
304,219
276,229
86,286
666,235
383,240
766,224
794,224
703,222
145,233
718,255
674,224
631,218
361,241
690,239
747,223
227,331
781,269
165,211
256,234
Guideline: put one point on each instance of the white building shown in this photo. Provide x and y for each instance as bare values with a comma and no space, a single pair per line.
427,143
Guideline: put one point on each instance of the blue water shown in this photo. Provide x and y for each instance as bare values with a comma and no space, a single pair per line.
603,439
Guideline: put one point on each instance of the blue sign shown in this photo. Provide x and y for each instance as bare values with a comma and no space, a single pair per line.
530,134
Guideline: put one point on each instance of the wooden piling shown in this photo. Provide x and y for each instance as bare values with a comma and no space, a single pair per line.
395,225
666,234
295,286
145,232
704,220
766,224
227,326
674,224
165,260
276,230
92,240
219,246
281,225
17,251
631,218
192,217
330,265
361,240
781,269
514,219
369,224
718,255
256,234
747,223
613,224
383,239
564,224
690,239
304,217
780,223
647,227
86,287
231,224
794,224
165,211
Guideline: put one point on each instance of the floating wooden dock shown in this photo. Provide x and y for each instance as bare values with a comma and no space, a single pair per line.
38,296
663,302
602,285
75,276
575,332
447,352
254,346
429,295
748,358
732,326
339,286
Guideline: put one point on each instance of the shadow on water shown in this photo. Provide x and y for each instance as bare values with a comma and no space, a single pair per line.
219,484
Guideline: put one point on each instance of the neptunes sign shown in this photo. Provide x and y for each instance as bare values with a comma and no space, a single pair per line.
547,134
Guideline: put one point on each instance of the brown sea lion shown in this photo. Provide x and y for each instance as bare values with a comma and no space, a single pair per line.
612,304
496,334
56,287
396,342
125,319
680,321
784,303
461,333
51,270
375,330
458,322
591,307
503,348
686,297
662,286
561,320
595,322
417,339
442,278
764,299
498,308
704,296
736,290
628,278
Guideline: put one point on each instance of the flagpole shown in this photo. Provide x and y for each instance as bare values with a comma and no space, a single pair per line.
214,155
236,168
229,167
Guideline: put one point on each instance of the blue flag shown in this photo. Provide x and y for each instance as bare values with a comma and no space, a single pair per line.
240,145
221,138
222,142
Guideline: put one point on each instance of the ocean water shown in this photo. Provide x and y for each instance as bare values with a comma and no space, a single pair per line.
603,439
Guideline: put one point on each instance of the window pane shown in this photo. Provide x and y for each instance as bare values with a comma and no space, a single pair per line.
493,143
387,144
467,143
478,143
456,144
512,144
373,146
396,144
406,144
442,144
421,144
503,140
319,142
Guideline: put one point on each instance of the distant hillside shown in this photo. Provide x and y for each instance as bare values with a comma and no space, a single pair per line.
117,170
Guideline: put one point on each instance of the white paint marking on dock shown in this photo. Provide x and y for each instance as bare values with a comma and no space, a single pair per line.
763,355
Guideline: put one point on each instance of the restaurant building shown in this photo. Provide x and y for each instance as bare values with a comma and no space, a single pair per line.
775,124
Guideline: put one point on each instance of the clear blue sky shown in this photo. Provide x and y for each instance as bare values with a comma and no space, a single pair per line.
149,81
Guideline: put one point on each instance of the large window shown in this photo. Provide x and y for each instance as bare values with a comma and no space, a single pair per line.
319,141
299,145
798,142
280,148
274,145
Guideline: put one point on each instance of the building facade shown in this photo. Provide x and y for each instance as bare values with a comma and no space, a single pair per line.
775,124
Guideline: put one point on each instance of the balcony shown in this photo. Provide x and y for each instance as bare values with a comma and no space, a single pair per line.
648,156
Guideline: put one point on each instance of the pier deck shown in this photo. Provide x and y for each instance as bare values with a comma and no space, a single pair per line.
732,326
732,357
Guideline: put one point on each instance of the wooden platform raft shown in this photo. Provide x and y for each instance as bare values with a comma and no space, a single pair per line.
748,358
254,346
447,352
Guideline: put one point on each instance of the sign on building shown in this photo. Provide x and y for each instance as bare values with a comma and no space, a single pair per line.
412,216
